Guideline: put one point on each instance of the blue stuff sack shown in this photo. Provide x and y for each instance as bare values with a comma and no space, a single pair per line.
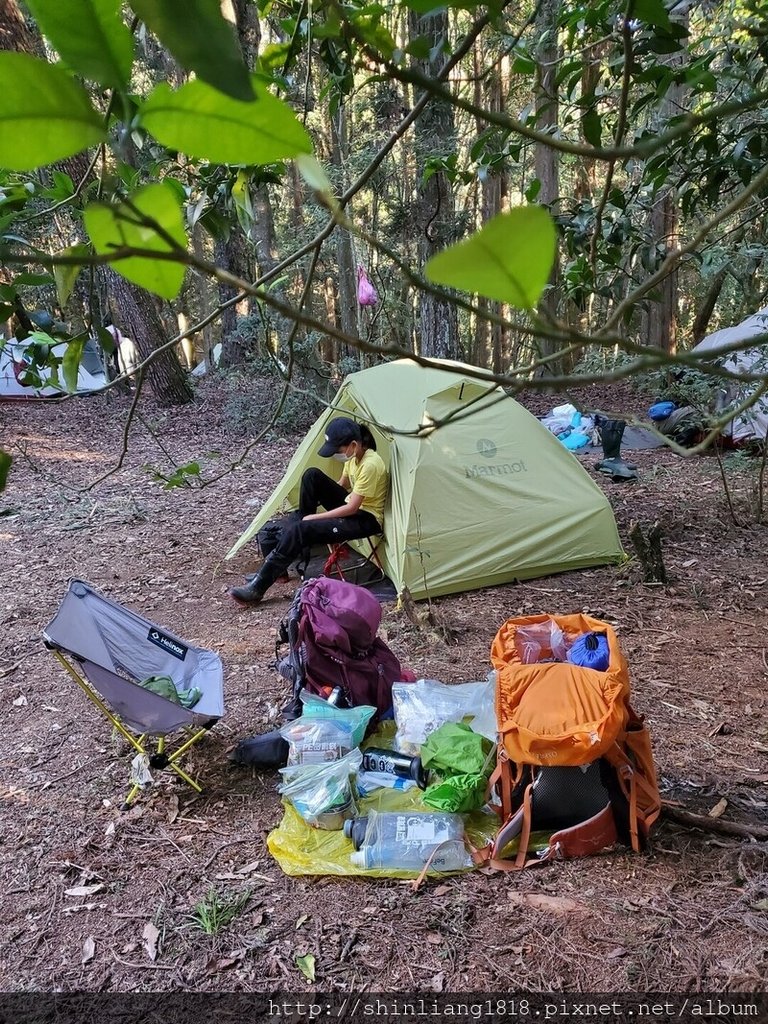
661,410
574,440
590,650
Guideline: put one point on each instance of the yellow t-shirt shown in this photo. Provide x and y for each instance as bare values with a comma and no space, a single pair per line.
368,476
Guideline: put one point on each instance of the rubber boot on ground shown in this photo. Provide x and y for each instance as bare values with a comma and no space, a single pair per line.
612,464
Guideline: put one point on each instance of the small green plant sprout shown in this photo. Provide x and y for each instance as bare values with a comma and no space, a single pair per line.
214,912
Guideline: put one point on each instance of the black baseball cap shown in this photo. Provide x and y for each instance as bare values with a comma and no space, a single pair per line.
339,432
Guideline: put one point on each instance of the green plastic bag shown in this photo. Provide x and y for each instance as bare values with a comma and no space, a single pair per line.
164,686
464,762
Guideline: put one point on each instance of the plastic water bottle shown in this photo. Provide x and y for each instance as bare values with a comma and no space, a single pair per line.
407,841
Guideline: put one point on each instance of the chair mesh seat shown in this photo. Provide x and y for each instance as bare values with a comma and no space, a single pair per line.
117,649
109,651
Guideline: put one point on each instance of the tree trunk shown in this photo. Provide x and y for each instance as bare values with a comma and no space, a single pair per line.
707,306
663,227
546,159
489,337
136,316
235,254
14,32
435,214
345,258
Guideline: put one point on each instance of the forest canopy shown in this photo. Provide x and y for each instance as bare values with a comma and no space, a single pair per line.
542,190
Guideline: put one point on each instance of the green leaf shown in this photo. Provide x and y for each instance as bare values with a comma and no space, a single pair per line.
592,125
313,172
116,227
201,40
509,260
44,114
5,465
90,36
33,280
425,6
652,12
70,364
66,274
306,965
201,122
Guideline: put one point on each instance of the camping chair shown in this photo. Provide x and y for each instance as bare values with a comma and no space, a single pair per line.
365,568
109,650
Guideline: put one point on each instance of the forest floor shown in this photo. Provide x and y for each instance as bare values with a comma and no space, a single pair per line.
95,900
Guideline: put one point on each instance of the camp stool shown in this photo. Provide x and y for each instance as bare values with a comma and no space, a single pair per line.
108,649
368,556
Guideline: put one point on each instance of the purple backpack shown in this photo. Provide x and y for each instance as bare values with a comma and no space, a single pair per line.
331,636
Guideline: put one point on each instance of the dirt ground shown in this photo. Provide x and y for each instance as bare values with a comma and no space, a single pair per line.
691,915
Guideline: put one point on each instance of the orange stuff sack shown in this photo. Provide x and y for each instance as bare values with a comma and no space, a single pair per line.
574,760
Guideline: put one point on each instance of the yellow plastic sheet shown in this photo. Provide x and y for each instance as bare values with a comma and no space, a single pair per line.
302,850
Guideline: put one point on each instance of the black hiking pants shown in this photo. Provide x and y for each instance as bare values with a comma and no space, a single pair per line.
317,490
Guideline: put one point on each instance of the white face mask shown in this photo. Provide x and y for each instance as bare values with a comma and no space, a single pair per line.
340,458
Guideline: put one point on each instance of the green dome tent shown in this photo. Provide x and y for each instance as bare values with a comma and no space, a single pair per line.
488,497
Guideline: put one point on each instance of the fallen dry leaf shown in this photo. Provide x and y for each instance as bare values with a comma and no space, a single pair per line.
306,965
540,901
441,890
246,869
434,938
151,934
719,808
89,949
173,808
84,890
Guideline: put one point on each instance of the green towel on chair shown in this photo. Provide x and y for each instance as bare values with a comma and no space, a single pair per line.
164,686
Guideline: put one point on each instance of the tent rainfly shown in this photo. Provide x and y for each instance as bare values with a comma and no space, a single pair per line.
14,361
753,423
481,493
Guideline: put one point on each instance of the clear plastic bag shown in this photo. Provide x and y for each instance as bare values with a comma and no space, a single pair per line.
369,782
317,741
423,706
356,719
543,641
324,795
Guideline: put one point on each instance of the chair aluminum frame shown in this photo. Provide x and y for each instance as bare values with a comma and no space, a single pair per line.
99,642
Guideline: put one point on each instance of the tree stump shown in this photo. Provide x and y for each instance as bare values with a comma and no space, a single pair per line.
648,548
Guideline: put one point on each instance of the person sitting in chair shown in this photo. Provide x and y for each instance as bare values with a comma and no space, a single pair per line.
353,507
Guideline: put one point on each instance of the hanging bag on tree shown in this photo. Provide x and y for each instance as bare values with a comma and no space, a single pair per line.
366,293
574,760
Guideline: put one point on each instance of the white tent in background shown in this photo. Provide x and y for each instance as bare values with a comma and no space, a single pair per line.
753,424
14,359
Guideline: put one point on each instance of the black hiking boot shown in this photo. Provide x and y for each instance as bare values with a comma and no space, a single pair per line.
253,593
251,576
292,709
247,596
